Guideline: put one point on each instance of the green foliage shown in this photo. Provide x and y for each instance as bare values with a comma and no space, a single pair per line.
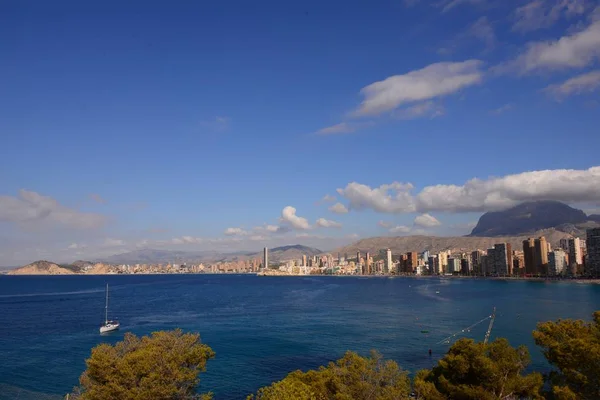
350,378
162,366
573,347
477,371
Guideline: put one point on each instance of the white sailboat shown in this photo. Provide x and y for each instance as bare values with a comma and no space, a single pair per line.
108,326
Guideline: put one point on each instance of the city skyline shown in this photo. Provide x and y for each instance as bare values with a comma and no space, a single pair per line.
228,127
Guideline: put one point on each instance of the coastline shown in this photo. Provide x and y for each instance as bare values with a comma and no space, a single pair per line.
592,281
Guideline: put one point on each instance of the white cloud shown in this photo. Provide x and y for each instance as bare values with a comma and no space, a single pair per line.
110,242
342,127
433,81
496,193
76,246
338,208
576,50
288,216
482,29
328,199
187,240
450,4
384,224
258,238
502,109
272,228
477,195
97,198
31,209
392,198
269,229
585,83
426,221
425,109
400,229
539,14
326,223
235,232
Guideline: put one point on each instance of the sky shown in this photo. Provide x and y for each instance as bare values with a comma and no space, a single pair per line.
235,125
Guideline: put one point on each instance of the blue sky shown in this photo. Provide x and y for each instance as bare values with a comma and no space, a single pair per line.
150,124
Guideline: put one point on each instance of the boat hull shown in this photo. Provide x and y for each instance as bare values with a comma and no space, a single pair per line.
109,328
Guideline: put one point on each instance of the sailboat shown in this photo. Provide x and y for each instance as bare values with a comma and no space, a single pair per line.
108,326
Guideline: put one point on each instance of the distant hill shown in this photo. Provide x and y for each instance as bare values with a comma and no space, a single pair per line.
594,217
146,256
530,217
293,252
437,243
43,267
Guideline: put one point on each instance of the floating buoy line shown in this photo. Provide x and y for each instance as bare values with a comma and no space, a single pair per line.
491,317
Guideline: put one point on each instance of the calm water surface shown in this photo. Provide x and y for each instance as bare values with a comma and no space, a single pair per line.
262,327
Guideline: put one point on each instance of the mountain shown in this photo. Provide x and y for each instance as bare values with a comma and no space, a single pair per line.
147,256
43,267
436,244
528,217
594,217
293,252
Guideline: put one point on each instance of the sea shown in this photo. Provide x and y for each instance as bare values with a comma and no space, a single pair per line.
262,328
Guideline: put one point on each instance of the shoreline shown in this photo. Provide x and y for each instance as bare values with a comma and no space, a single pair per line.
592,281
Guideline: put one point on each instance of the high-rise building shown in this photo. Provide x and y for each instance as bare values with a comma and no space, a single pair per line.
518,263
476,261
557,264
367,264
443,261
412,260
529,256
541,255
432,262
593,252
304,260
564,244
453,265
575,255
265,258
389,267
502,259
425,255
465,266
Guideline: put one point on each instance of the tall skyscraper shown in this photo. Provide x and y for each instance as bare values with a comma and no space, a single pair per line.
265,258
575,256
304,260
476,261
367,264
412,262
593,252
541,255
557,262
529,256
389,264
502,259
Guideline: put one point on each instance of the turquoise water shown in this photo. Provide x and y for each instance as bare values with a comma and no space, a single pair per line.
263,327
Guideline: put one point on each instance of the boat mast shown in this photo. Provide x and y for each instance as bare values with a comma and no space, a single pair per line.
489,331
106,307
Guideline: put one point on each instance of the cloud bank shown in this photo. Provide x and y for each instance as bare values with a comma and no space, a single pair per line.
478,195
33,210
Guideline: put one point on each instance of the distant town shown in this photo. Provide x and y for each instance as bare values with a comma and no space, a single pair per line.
574,258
